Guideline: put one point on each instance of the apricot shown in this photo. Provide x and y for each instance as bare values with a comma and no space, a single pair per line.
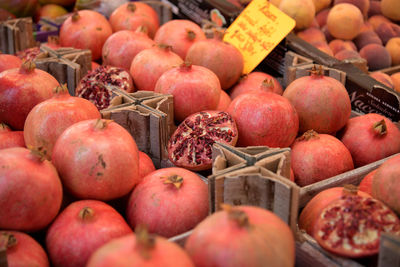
312,35
363,5
366,27
337,45
374,8
387,31
393,46
322,16
345,21
324,47
328,35
275,2
321,4
302,11
377,56
391,9
396,81
347,54
383,78
376,20
365,38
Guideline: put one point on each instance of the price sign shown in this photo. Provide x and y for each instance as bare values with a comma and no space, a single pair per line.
257,31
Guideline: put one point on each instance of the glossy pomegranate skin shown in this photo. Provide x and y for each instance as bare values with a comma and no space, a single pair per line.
47,120
224,101
97,159
80,229
254,81
12,139
367,142
266,238
146,165
180,34
23,250
30,190
166,209
20,90
366,183
86,29
264,118
9,62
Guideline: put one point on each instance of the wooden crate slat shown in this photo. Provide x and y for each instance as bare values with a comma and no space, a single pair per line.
389,251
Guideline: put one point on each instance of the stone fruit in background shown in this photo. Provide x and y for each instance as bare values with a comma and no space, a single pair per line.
146,165
302,11
169,201
30,190
363,5
393,46
22,250
312,35
10,138
48,119
344,21
85,29
321,4
366,183
195,88
190,146
20,8
377,56
20,90
338,45
383,78
97,159
374,8
316,157
387,31
65,3
50,11
264,118
367,37
396,81
247,236
347,54
9,62
80,229
391,9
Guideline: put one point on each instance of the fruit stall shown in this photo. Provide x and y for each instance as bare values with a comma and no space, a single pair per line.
200,133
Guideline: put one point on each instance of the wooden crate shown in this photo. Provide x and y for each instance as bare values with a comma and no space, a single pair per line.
16,35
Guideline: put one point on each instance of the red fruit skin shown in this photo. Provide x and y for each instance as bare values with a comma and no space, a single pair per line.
268,239
26,252
20,8
195,88
89,31
95,65
264,118
71,239
176,34
97,163
123,252
367,145
322,103
149,64
123,18
165,209
9,62
253,82
122,46
319,158
146,165
12,139
366,183
224,101
20,91
5,15
48,119
30,190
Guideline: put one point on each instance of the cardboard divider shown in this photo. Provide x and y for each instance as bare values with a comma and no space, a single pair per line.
16,35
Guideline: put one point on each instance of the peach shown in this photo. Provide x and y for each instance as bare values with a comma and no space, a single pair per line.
324,47
312,35
377,56
51,11
321,4
328,35
302,11
393,46
322,16
344,21
365,38
383,78
391,9
337,45
387,31
366,27
275,2
396,81
347,54
376,20
374,8
363,5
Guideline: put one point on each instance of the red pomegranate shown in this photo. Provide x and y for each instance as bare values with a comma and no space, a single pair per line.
29,53
146,165
322,102
264,118
316,157
11,139
20,90
48,119
95,65
9,62
80,229
242,236
22,250
352,225
366,183
30,190
180,34
97,159
53,42
256,81
190,146
122,46
85,29
141,249
216,55
169,201
195,88
370,137
131,16
224,101
149,64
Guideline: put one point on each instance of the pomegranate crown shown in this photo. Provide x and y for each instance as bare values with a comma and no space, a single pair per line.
236,215
174,179
380,127
7,240
145,241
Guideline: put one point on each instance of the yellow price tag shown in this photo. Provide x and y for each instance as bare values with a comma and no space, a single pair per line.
257,31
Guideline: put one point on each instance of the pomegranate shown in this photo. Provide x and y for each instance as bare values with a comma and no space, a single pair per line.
4,128
9,62
85,29
29,53
48,119
97,159
256,81
95,65
370,137
366,183
195,88
316,157
80,229
224,101
242,236
130,16
20,90
322,102
146,165
264,118
97,85
22,250
30,190
149,64
216,55
180,34
5,15
53,42
190,146
141,249
351,226
122,46
10,138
